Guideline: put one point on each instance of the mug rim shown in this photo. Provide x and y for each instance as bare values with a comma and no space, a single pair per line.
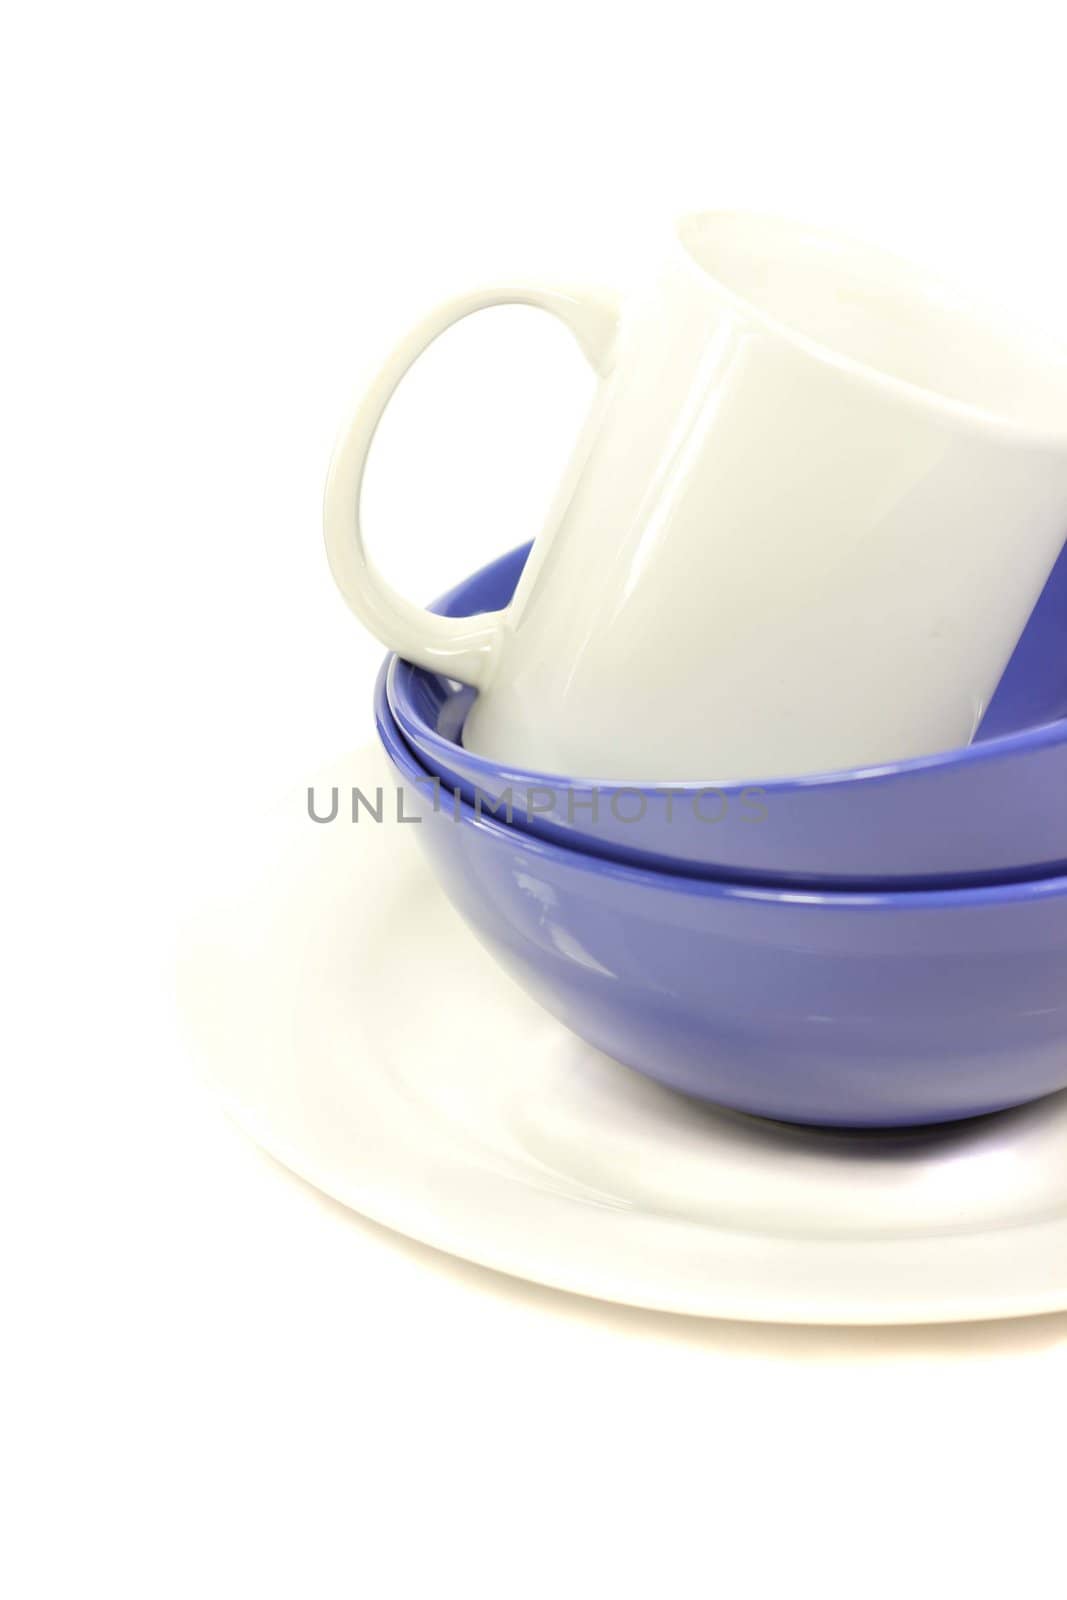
904,390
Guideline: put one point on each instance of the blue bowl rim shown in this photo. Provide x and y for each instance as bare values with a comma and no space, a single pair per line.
962,897
1043,736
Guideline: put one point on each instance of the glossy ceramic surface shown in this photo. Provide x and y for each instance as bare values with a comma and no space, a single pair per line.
815,502
1033,690
858,1010
993,811
475,1122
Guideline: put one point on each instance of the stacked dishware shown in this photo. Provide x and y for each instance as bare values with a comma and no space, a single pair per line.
753,770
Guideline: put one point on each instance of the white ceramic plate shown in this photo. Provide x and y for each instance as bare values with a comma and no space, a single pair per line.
364,1038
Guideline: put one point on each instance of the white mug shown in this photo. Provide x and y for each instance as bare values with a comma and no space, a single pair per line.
815,502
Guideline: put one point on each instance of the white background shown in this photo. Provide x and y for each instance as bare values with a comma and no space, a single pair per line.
216,218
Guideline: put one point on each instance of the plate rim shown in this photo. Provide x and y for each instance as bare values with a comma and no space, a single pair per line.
384,1193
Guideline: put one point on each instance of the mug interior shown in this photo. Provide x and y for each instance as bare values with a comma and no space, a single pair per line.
865,306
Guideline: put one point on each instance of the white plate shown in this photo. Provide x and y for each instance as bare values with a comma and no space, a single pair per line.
363,1037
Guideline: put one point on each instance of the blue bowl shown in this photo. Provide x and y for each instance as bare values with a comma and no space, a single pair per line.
994,812
845,1009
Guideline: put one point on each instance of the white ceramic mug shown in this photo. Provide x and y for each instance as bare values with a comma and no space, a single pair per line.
814,504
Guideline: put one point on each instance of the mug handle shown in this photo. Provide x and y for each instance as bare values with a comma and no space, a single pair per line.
460,647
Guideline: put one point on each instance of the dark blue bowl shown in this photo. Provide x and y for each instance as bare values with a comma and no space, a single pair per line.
845,1009
991,813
